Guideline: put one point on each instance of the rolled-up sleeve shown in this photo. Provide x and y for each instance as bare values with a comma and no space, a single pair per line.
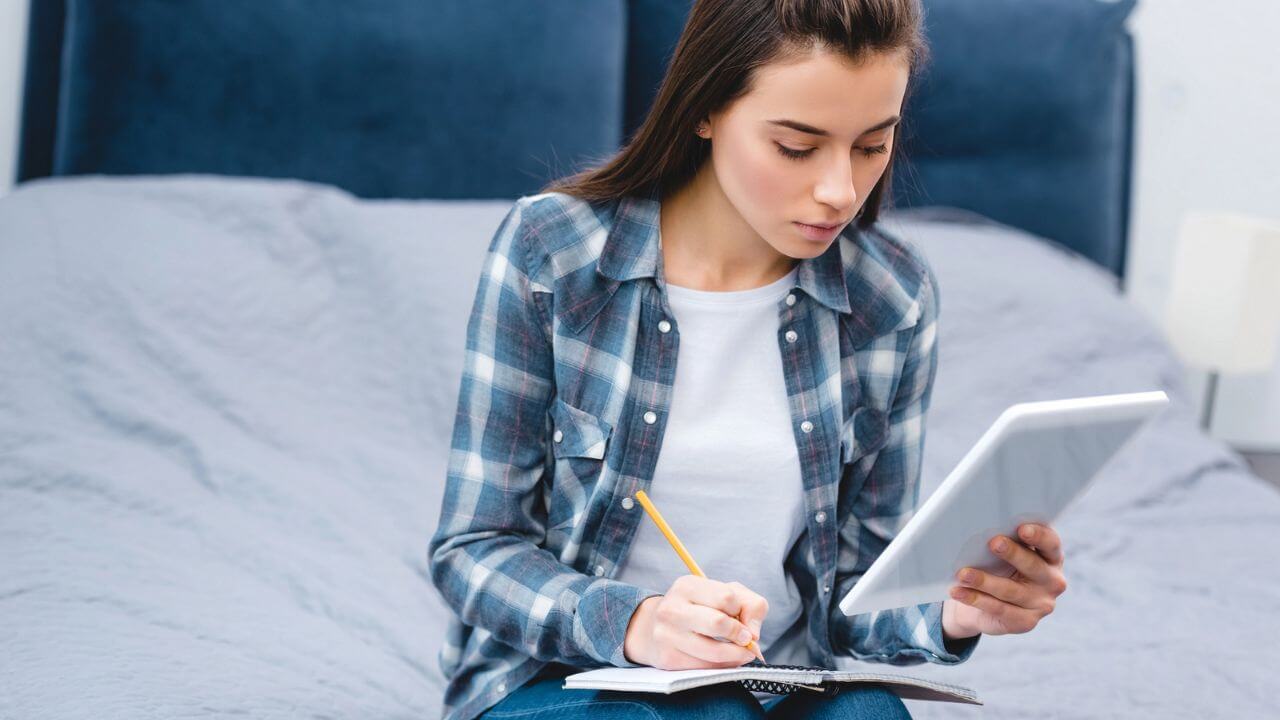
486,556
886,501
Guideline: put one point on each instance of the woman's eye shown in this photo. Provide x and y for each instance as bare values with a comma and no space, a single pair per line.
794,154
802,154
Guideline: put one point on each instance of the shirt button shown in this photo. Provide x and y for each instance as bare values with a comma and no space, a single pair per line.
791,336
502,687
664,326
599,570
628,503
806,426
791,299
558,436
650,417
820,516
826,588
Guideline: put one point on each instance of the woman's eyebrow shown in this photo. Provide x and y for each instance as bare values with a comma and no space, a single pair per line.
805,128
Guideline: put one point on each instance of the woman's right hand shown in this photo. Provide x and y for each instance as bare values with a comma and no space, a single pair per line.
677,631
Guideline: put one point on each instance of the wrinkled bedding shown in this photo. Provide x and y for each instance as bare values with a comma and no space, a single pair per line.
225,407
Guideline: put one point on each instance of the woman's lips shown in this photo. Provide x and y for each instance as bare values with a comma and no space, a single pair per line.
818,233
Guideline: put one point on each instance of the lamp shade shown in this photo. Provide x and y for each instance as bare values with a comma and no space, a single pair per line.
1223,312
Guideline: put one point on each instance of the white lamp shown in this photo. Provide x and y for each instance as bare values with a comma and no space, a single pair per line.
1223,313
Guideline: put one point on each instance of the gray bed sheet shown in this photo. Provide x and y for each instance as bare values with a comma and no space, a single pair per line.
225,407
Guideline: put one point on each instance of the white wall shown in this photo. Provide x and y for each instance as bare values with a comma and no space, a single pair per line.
1208,108
13,48
1208,103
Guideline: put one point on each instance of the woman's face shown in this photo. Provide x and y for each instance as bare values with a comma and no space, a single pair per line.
807,144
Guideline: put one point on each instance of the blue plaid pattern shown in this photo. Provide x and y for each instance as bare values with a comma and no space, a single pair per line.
563,401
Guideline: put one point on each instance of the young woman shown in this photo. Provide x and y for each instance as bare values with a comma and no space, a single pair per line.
735,232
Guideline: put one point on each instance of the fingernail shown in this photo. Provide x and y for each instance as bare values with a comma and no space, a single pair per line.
744,637
968,576
1001,545
755,627
1027,532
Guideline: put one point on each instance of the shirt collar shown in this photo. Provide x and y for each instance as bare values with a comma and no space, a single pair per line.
631,251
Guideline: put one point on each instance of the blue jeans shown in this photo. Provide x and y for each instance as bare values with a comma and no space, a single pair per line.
542,697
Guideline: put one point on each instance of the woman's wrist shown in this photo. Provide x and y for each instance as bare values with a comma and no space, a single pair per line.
635,644
953,631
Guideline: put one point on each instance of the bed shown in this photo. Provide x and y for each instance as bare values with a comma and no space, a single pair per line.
234,282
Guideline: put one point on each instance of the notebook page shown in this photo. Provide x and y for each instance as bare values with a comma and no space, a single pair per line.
652,679
649,679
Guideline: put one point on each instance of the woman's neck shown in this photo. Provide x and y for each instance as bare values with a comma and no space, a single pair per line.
706,245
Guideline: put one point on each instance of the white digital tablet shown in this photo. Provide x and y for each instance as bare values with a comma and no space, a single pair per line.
1033,461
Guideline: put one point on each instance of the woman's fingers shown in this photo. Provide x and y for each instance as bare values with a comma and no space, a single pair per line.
673,633
715,624
733,599
1044,539
671,658
1010,617
706,623
720,654
1027,561
754,607
710,593
1006,589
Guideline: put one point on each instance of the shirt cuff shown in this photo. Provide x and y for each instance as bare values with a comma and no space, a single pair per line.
604,612
945,652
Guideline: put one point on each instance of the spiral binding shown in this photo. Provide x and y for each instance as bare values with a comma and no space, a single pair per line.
784,688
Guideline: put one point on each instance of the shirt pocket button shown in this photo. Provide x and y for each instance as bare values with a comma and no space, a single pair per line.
578,433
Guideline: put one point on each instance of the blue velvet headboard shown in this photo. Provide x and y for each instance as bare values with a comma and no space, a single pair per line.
1025,114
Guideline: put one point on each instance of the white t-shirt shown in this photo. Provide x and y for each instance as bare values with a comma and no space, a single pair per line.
727,477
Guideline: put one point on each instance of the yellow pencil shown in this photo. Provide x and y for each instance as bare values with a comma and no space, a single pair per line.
680,550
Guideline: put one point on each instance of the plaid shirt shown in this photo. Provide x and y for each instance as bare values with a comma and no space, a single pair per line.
564,397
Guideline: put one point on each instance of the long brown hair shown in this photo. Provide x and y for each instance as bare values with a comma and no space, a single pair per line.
722,43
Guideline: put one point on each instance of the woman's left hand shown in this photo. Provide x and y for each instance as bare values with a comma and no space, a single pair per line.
1000,605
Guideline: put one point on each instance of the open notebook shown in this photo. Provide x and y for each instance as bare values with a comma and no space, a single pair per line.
766,678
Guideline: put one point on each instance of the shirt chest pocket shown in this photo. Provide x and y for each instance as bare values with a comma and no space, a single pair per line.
577,433
863,432
579,440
